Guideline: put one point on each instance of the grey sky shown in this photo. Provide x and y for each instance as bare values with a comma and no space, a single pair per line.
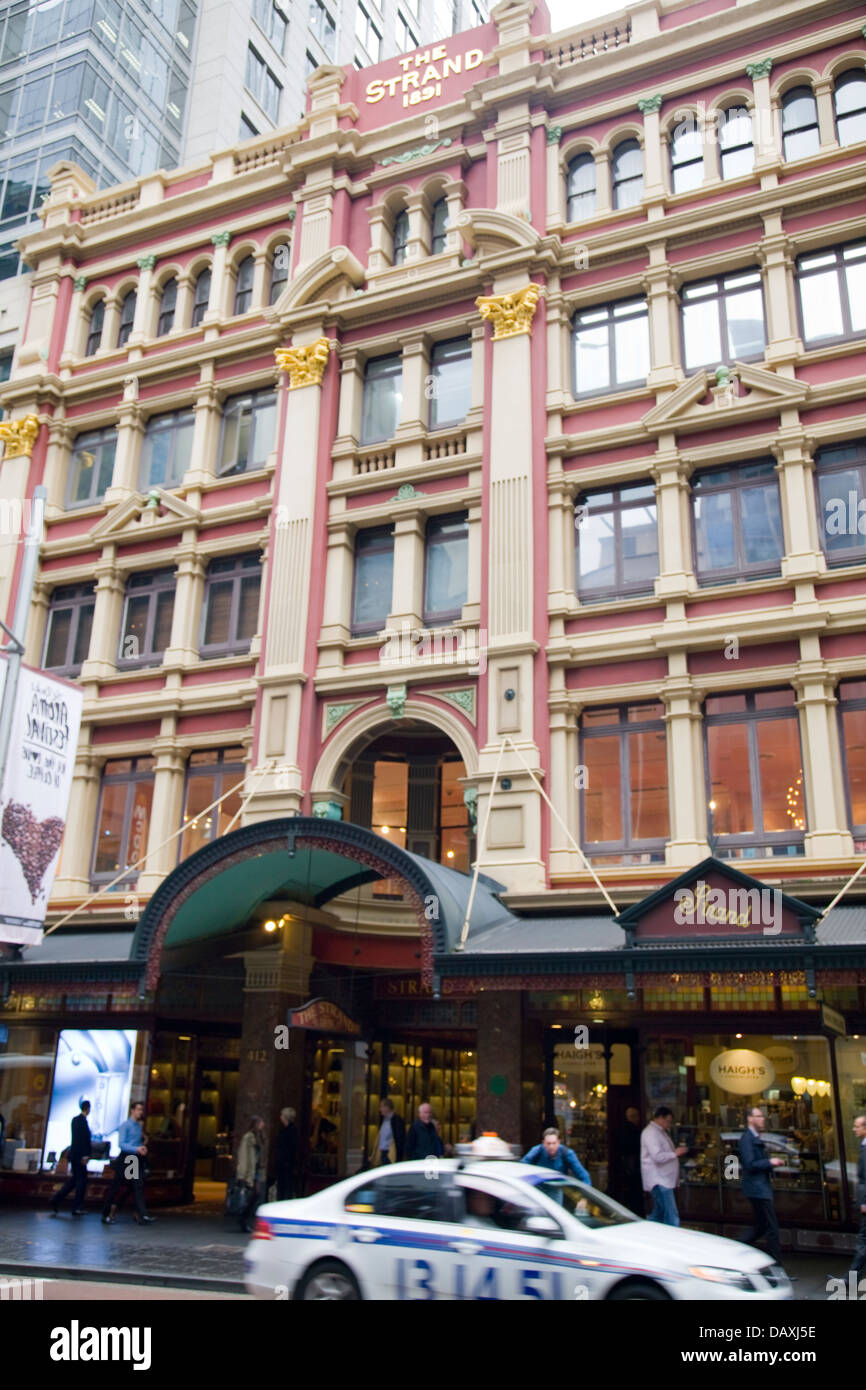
567,13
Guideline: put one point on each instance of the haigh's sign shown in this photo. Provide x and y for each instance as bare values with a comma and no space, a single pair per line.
716,901
421,76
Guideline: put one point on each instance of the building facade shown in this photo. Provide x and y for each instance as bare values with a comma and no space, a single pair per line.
472,472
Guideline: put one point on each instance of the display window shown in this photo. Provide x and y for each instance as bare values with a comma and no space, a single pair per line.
851,1071
580,1100
26,1069
411,1072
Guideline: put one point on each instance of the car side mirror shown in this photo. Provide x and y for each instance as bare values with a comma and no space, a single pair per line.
543,1226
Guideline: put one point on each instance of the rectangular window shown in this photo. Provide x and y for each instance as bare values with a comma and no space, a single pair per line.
723,320
91,468
611,347
756,804
738,522
407,39
624,800
167,449
323,26
70,621
230,611
147,614
368,34
617,542
383,398
840,481
446,556
272,23
247,130
451,370
248,427
5,365
832,286
209,776
263,85
126,797
373,581
852,719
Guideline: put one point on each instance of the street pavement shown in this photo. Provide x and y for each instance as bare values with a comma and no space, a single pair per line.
198,1249
88,1291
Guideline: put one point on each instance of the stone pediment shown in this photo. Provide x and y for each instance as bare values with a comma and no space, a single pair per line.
335,276
489,231
138,515
703,399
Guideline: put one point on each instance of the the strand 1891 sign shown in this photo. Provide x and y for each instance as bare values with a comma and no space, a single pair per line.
422,74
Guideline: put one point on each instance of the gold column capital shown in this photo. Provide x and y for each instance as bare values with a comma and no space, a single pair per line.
510,314
306,364
19,436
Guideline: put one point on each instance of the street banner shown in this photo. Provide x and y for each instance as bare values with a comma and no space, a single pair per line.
34,798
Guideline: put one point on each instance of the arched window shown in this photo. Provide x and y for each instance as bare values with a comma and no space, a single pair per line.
736,144
201,296
627,170
127,317
799,123
439,226
687,157
401,237
850,100
244,285
94,330
165,322
279,273
580,188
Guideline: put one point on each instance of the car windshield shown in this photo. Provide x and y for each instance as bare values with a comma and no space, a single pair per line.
583,1203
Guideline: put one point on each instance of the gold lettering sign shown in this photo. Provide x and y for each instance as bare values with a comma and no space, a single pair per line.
422,75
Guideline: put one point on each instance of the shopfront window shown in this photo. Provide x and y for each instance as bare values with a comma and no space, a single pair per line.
411,1072
169,1103
326,1110
26,1068
851,1069
580,1090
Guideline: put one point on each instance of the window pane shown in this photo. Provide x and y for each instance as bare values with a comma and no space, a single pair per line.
197,827
735,128
231,428
631,338
730,783
855,276
452,383
265,428
701,335
737,162
162,626
854,734
219,604
228,809
745,312
761,520
714,531
602,808
135,628
591,357
59,629
841,493
139,821
82,637
596,552
182,447
106,466
781,775
81,474
648,768
446,569
110,828
640,550
374,574
383,396
800,144
822,306
157,454
248,612
391,800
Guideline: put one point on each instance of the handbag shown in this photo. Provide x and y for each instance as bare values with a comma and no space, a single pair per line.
237,1197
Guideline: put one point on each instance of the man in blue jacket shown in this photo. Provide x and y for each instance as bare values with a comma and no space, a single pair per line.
756,1168
551,1153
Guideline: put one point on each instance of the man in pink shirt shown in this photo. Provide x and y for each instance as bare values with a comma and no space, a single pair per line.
660,1166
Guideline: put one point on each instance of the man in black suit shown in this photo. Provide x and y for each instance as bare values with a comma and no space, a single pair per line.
391,1129
756,1168
79,1153
859,1265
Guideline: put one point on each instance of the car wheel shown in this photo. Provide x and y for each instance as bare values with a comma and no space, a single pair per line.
329,1282
638,1292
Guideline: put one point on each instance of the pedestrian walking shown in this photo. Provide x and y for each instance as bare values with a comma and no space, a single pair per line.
251,1168
286,1160
859,1265
79,1153
756,1169
392,1131
129,1169
552,1153
660,1166
423,1140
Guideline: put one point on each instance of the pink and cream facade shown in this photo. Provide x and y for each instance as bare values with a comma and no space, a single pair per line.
501,421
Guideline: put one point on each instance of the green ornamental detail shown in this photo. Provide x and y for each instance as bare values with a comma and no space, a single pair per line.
80,283
723,376
863,31
334,713
464,700
327,810
407,492
470,801
554,134
761,68
416,153
146,262
221,238
292,214
649,104
395,698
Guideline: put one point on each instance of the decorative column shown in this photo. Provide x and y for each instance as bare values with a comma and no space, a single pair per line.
827,833
418,244
406,598
336,614
107,613
658,283
260,272
34,642
602,180
654,183
203,461
556,209
498,1104
767,150
671,477
110,324
379,255
215,306
416,365
823,89
514,827
76,854
183,303
73,343
182,650
166,809
774,254
57,459
687,842
143,301
803,558
455,196
564,783
130,430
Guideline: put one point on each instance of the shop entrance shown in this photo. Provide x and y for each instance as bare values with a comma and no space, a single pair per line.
590,1090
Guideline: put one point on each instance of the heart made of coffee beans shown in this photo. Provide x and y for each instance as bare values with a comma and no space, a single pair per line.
34,843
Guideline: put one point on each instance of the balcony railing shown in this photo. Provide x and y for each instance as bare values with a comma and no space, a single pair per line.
376,461
446,447
592,46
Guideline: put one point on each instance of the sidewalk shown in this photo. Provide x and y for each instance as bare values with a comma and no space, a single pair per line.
192,1247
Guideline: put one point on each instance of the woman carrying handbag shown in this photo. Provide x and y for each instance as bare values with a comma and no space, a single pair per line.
250,1173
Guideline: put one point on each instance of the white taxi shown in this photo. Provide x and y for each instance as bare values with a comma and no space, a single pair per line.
469,1229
